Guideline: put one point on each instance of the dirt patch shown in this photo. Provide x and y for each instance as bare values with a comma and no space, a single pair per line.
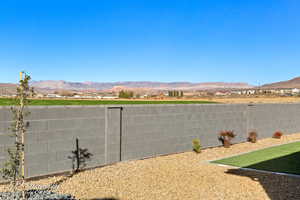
181,176
246,100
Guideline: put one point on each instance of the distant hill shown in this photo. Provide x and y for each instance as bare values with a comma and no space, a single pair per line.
52,85
293,83
64,85
7,88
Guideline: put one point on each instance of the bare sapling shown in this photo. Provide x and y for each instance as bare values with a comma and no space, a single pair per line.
14,168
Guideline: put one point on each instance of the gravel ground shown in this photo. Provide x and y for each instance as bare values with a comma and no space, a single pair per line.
35,195
181,176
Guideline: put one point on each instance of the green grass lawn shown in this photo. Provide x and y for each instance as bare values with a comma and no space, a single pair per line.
284,158
36,102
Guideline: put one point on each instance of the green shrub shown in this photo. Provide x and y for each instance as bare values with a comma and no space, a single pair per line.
197,145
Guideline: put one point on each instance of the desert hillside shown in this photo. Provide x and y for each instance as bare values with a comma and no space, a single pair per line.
293,83
136,85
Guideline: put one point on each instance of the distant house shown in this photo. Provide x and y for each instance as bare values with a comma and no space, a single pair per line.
295,91
143,96
53,96
77,96
248,92
275,91
109,97
39,95
222,93
87,97
236,92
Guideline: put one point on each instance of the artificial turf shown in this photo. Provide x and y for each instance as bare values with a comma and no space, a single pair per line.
49,102
284,158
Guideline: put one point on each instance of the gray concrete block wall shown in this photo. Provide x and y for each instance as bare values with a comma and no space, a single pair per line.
51,137
157,130
268,118
127,132
6,141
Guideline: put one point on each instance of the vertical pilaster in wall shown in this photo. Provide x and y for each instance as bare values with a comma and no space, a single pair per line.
113,134
247,116
106,130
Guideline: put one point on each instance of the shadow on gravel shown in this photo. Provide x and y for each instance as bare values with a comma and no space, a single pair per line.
277,187
61,181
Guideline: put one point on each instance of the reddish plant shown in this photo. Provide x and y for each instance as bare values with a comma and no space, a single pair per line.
277,134
225,137
252,137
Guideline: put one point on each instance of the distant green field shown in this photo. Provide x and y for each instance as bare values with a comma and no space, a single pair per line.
48,102
284,158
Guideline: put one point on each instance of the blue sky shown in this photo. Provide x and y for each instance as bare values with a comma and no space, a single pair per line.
255,41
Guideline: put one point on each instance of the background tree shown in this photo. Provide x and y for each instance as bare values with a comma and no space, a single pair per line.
65,93
181,94
175,93
126,94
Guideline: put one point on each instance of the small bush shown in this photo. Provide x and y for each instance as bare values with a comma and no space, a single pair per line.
277,134
225,137
252,137
197,145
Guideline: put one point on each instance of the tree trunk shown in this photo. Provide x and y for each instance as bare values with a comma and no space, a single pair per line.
22,133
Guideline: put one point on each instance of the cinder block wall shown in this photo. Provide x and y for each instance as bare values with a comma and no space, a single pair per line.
52,134
157,130
268,118
126,132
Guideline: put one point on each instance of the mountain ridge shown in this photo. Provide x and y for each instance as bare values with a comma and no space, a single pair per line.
292,83
51,85
88,85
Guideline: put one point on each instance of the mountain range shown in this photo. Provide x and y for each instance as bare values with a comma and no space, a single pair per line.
64,85
7,88
52,85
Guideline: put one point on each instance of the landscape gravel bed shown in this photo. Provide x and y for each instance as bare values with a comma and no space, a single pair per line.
187,176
